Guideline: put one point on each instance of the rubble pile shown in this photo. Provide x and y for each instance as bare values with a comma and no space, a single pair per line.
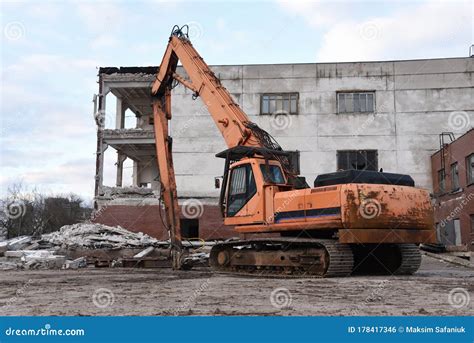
79,245
97,236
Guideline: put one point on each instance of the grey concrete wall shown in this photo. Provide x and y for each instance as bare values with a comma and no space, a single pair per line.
415,101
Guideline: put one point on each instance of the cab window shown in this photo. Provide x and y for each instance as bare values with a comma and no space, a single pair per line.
242,188
272,174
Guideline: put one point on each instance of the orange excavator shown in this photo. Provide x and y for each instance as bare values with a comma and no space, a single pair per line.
350,221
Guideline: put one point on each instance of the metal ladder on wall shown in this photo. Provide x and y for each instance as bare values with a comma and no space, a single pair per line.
443,145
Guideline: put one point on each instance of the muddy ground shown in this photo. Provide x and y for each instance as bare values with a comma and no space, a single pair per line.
199,292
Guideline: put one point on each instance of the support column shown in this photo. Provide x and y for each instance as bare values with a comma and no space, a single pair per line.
120,114
135,173
99,117
120,159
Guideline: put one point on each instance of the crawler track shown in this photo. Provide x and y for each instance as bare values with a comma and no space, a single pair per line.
306,257
410,259
283,257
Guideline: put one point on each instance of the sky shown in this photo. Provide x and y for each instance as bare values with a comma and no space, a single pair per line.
51,50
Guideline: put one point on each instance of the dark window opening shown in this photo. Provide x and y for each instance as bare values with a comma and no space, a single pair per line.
189,228
356,102
442,181
242,188
279,103
454,177
272,174
357,159
470,169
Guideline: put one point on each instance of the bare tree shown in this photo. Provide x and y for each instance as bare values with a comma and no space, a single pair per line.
25,212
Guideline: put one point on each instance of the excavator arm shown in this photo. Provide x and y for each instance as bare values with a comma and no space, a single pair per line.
232,122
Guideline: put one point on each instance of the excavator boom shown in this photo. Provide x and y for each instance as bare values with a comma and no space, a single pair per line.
232,122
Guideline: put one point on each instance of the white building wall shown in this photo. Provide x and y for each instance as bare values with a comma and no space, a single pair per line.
415,101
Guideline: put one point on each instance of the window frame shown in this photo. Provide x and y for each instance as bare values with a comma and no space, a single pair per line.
358,92
469,170
247,195
376,158
288,97
455,189
268,176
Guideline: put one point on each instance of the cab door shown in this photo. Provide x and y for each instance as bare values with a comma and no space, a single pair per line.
242,188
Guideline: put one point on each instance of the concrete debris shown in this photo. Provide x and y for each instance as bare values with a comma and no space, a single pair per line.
197,258
451,259
29,253
14,244
144,253
35,259
77,246
80,262
8,265
50,262
97,236
40,259
126,192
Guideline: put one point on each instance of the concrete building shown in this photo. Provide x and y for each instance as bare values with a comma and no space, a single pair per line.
338,115
453,186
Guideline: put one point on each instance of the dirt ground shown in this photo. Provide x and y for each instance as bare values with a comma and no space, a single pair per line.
199,292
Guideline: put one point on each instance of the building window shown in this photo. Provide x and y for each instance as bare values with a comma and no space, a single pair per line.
279,103
355,102
442,181
454,177
470,168
357,159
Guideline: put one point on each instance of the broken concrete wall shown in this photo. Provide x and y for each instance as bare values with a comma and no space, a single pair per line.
146,218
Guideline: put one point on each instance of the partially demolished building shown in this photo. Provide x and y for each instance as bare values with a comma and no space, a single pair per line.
367,115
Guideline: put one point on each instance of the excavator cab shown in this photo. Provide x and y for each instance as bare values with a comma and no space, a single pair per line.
243,201
251,178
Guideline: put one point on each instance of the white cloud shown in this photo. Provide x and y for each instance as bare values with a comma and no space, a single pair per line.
101,16
414,30
318,13
34,65
104,41
49,124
